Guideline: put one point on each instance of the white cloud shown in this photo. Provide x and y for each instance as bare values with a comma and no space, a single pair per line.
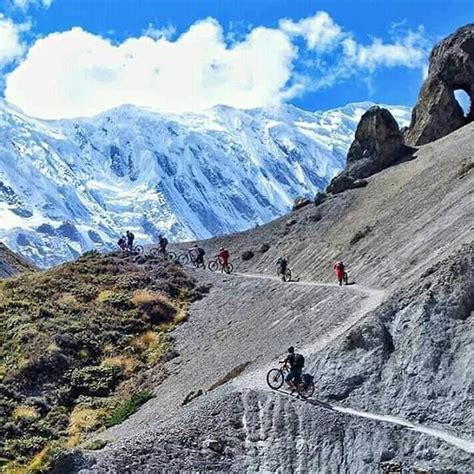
408,50
11,46
25,4
320,31
76,73
80,74
166,32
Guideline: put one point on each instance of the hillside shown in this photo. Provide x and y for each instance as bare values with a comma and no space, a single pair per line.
11,263
391,353
81,346
70,186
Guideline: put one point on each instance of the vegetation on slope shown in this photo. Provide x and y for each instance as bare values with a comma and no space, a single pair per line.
80,347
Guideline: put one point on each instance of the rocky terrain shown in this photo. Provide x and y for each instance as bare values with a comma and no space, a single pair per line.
391,353
437,112
11,263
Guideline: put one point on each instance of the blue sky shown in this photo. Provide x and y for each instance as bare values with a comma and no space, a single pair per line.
316,54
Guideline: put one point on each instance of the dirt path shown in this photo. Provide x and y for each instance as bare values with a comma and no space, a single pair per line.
464,444
374,298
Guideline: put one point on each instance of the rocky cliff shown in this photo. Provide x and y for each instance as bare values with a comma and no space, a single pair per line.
437,112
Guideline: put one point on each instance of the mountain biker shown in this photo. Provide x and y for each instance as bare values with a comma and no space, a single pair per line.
198,253
296,362
223,257
282,264
162,243
122,243
130,239
340,271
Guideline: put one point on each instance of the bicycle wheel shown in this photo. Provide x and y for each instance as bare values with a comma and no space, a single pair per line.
288,275
138,249
155,252
213,265
171,256
305,389
183,259
275,379
229,268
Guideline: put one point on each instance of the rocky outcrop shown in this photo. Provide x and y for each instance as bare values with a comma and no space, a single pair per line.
11,263
437,112
377,145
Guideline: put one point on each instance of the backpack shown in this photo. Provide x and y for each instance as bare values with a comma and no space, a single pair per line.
299,361
164,241
201,252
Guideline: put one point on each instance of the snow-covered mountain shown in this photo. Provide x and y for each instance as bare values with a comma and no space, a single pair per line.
73,185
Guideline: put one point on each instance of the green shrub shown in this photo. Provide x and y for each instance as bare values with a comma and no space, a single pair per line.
128,407
96,381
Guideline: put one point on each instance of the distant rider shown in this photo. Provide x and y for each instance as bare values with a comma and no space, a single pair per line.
130,239
340,271
122,243
223,257
162,243
296,362
282,264
198,253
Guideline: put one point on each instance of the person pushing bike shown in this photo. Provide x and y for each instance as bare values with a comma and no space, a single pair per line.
223,257
282,264
296,363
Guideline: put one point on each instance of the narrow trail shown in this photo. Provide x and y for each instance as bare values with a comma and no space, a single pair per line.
375,297
464,444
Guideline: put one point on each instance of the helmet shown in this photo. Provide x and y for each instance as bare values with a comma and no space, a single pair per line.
291,349
221,249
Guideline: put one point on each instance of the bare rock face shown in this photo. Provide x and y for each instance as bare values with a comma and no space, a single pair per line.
378,144
437,112
11,263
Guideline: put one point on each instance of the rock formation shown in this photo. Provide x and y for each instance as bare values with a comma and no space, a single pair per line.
11,263
437,112
378,144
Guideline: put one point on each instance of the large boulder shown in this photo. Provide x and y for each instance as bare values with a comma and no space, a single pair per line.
377,145
437,112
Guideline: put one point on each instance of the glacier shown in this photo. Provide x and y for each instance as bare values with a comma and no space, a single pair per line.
73,185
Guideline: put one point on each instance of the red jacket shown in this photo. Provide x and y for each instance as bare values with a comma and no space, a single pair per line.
339,269
224,256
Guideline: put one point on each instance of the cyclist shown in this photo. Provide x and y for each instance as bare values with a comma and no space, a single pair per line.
122,243
296,362
198,254
340,272
223,257
130,239
162,243
282,264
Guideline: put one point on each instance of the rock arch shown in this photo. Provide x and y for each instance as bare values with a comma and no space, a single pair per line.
437,112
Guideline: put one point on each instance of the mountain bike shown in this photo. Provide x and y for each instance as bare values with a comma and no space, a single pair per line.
136,250
159,252
190,257
216,264
276,379
286,275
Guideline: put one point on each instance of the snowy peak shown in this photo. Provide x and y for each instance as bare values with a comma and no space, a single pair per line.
72,185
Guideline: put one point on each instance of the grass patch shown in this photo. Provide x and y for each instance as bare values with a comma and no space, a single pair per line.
25,413
128,407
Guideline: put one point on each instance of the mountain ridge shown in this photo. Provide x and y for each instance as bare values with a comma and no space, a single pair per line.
70,186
